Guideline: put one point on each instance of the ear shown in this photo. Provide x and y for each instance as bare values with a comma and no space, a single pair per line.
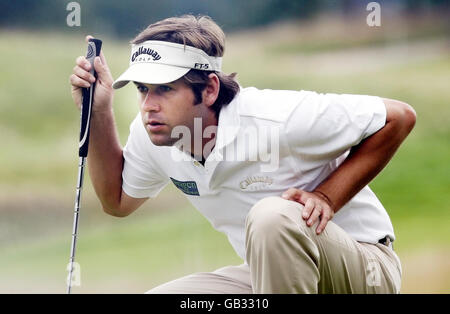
211,91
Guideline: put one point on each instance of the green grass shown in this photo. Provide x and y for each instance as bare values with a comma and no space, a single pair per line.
134,255
39,129
309,47
140,253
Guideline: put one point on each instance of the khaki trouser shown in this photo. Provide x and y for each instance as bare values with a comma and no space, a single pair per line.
284,255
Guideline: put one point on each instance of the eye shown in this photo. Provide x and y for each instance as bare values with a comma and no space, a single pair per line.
164,88
142,89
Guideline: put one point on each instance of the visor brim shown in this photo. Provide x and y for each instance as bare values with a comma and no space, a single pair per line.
150,73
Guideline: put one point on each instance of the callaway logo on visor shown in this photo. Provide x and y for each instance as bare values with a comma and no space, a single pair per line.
174,54
152,54
158,62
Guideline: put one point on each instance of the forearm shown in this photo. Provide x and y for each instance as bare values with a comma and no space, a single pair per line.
367,159
105,159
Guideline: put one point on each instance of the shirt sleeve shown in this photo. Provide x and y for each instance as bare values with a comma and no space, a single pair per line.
141,174
324,126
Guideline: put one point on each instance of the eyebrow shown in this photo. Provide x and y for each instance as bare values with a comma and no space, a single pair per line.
164,84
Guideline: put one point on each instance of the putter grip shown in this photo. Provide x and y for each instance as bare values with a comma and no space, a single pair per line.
94,46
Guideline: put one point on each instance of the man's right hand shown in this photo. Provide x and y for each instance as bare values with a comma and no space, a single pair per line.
81,78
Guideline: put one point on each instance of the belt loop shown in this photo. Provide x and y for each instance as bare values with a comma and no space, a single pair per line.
389,243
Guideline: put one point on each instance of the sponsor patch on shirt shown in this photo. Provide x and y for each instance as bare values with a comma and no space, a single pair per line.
255,183
187,187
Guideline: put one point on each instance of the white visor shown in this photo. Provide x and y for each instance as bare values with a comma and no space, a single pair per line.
159,62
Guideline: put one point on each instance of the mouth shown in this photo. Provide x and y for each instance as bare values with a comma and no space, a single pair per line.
154,125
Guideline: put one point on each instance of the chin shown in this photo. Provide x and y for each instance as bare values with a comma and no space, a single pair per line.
161,140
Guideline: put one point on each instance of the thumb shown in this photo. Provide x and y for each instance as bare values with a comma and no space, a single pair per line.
291,194
99,66
102,70
304,196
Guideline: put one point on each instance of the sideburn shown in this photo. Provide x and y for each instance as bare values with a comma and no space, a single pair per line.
198,89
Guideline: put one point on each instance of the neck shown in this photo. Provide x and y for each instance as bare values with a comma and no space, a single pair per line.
203,144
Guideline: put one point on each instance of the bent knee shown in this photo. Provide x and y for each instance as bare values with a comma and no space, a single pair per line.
271,213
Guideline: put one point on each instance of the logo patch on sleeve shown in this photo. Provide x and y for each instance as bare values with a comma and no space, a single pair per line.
187,187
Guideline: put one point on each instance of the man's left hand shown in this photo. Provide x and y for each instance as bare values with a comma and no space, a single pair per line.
316,205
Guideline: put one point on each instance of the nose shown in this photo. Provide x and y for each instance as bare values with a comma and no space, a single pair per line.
150,102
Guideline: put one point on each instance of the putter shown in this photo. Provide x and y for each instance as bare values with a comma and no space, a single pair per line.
94,46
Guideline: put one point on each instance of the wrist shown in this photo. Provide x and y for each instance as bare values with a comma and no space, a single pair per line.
325,197
103,110
104,104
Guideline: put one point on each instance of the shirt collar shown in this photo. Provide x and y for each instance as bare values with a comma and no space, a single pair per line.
228,124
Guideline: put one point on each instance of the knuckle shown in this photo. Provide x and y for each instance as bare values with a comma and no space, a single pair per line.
80,70
81,74
72,78
75,78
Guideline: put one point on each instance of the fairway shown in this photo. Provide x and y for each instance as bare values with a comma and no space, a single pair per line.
168,238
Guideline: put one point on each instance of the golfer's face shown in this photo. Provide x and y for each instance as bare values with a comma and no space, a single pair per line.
165,106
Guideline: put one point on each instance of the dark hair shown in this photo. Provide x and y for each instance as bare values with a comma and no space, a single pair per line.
203,33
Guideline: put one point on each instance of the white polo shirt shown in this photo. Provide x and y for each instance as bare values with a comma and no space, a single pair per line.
301,137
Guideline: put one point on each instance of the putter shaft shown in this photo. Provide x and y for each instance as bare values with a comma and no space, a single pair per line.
81,164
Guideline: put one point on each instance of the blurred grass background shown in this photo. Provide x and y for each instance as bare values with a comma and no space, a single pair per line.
167,238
